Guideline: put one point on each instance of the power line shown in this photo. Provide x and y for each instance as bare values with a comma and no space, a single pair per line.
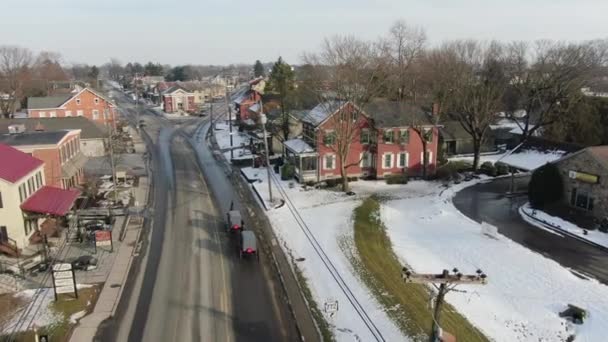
329,265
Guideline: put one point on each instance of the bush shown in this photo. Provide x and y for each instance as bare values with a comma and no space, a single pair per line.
287,171
501,168
488,168
546,186
449,170
397,179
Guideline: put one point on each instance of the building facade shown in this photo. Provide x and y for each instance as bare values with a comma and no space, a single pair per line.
59,150
177,99
85,103
585,179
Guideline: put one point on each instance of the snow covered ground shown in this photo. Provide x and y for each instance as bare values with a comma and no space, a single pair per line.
328,215
39,312
558,223
525,159
525,292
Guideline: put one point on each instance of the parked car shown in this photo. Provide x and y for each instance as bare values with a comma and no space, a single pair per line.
92,226
234,221
84,263
248,245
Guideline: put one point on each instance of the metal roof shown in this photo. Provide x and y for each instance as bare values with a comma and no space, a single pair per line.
33,138
50,200
16,164
47,101
88,129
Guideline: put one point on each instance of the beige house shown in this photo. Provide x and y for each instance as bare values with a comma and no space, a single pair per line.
18,182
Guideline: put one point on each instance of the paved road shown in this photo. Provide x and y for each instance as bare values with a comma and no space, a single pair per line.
486,202
191,285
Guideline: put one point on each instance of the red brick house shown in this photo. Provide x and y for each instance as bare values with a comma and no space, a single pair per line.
59,150
242,103
85,103
383,141
178,99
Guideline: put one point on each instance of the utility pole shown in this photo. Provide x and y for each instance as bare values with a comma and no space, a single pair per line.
211,116
444,283
111,144
229,123
263,121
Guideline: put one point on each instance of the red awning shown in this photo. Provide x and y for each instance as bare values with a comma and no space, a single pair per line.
51,201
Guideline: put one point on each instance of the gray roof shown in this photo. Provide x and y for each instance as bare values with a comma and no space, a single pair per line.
33,138
322,111
89,129
453,130
47,101
396,114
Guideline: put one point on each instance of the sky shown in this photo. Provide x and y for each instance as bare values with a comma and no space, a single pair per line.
239,31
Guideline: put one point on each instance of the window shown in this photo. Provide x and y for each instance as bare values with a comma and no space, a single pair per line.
78,101
79,112
581,199
38,182
53,114
387,162
366,159
428,134
29,226
1,205
95,114
364,138
389,137
429,158
329,138
42,114
309,163
96,100
30,186
404,136
22,194
403,160
68,113
330,162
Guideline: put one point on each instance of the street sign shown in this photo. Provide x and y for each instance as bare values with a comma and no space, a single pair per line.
64,282
65,289
62,267
63,275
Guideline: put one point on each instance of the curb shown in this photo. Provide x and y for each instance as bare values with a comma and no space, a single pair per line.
537,222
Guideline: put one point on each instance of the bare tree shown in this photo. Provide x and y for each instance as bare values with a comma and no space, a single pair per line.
404,45
478,92
546,80
14,64
115,69
347,74
405,48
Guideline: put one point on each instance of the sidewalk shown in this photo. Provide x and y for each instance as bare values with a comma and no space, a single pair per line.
560,226
110,294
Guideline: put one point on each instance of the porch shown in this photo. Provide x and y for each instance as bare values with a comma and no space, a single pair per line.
304,158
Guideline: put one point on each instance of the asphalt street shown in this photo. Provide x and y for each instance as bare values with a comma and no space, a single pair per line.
487,202
190,284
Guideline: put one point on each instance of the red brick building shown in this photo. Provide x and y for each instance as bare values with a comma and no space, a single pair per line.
85,103
178,99
383,141
245,101
59,150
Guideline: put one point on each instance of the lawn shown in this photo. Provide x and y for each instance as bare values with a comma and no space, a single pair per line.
406,304
66,306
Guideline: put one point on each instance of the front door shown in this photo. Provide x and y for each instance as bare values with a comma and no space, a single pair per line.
3,235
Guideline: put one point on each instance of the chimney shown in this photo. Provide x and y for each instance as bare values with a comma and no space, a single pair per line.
435,111
39,127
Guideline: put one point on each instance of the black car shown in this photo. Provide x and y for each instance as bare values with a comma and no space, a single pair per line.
84,263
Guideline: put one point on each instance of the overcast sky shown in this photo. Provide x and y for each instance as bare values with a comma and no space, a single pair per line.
239,31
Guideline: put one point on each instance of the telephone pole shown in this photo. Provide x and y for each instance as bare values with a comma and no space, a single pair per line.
230,124
444,283
263,120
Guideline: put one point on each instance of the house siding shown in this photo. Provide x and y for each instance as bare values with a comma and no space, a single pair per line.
87,105
413,148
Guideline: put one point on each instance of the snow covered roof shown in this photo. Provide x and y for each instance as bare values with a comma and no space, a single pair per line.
322,111
298,146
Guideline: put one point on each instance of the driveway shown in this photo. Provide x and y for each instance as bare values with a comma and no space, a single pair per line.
487,202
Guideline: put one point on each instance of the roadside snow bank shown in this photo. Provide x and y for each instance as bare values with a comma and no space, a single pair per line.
525,291
560,224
